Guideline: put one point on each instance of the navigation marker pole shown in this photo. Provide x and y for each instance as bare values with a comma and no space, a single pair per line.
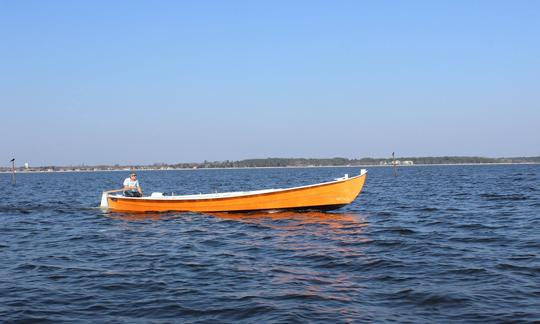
13,180
394,164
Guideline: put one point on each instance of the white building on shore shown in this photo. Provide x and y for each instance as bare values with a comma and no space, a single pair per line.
398,162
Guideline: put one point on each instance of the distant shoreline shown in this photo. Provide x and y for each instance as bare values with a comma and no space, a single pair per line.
271,162
265,167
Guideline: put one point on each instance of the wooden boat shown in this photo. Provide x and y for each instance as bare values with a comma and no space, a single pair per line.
321,196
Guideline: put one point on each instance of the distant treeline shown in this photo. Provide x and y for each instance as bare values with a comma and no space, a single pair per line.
339,161
470,159
290,162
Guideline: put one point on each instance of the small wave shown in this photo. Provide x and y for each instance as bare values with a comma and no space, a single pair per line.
212,242
497,197
513,267
428,209
468,271
397,230
379,264
404,207
16,210
63,210
237,313
35,319
529,245
386,243
96,308
437,299
403,231
391,278
385,214
429,298
474,226
310,296
476,239
327,260
57,277
29,209
522,257
26,266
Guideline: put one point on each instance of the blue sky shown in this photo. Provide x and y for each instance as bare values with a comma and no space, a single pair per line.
183,81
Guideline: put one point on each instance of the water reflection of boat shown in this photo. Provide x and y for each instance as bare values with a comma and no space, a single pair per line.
288,215
322,196
135,217
335,220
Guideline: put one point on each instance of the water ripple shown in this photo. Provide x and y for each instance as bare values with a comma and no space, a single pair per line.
435,244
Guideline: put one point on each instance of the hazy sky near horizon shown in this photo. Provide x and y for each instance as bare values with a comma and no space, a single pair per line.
185,81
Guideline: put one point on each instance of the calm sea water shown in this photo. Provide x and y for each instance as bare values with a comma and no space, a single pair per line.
435,244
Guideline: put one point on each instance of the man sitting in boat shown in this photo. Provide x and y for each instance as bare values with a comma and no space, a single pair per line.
131,186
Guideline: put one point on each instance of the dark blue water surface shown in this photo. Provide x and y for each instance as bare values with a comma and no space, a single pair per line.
434,244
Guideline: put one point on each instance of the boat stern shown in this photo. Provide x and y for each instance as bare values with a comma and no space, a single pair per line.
104,202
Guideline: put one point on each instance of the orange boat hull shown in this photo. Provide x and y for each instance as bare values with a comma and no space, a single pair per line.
324,196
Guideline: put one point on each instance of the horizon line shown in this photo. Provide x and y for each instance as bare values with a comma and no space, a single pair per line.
270,158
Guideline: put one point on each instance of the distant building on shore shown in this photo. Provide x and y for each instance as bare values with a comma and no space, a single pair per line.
398,162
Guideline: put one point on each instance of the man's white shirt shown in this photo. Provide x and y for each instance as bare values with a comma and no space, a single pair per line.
128,182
